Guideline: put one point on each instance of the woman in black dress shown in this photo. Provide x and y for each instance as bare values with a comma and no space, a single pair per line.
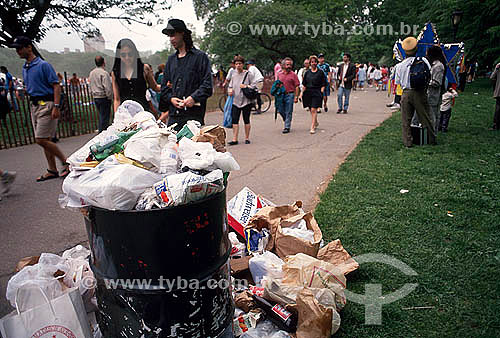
131,77
312,96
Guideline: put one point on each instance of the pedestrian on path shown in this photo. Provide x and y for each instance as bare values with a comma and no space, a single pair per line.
346,72
325,67
413,99
187,79
102,91
314,84
259,79
242,105
130,76
495,76
42,85
291,83
436,85
301,72
362,76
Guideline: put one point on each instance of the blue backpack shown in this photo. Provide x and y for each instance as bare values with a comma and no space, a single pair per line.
420,74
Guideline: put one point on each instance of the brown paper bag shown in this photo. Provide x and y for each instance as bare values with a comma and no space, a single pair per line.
270,217
335,254
216,135
315,320
289,245
310,272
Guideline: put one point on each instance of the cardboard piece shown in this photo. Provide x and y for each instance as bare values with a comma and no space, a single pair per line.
216,135
335,254
241,208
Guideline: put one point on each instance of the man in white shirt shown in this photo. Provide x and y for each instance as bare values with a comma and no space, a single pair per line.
412,100
259,78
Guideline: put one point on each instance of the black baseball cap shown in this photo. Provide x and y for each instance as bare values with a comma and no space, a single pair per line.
321,55
175,25
250,62
21,41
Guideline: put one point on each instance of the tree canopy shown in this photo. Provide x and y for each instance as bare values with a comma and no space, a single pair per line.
479,27
33,18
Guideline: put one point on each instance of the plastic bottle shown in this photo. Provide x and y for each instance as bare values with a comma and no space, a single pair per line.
169,157
277,313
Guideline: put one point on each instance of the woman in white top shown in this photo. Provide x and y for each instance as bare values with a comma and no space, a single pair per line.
240,79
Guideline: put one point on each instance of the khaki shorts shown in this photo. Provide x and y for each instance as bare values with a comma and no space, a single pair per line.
41,118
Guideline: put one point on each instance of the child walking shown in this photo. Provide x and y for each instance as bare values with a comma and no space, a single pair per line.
445,110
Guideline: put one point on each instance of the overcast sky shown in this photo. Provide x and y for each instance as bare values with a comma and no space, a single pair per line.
146,38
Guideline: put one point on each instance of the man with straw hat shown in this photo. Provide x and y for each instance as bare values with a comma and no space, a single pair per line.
413,99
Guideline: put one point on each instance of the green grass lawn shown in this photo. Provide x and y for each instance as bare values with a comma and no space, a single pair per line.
446,228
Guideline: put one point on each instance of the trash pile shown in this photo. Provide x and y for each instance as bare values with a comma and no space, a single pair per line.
139,163
55,290
296,281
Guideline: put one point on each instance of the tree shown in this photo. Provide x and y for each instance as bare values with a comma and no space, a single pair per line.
257,39
33,18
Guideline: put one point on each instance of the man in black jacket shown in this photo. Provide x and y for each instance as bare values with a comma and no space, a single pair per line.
345,74
187,79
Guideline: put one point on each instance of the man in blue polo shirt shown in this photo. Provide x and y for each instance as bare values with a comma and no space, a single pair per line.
42,85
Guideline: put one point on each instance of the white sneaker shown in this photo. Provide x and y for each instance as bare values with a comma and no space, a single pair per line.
7,179
395,106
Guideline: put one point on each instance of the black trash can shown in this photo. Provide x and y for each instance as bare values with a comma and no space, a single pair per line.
163,272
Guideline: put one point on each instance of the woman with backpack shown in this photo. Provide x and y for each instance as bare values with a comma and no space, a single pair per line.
436,84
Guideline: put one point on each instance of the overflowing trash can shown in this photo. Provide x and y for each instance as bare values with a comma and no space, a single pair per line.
162,272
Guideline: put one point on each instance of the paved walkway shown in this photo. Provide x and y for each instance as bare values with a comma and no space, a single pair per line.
281,167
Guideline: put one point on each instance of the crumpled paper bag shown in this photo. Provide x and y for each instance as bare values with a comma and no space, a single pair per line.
335,254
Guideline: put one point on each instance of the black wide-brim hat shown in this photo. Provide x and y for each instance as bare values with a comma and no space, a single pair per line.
175,25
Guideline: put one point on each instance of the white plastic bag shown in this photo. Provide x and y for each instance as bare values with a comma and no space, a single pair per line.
110,185
145,120
196,155
125,112
39,275
144,147
225,162
265,265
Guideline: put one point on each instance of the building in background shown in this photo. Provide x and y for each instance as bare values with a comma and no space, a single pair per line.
93,44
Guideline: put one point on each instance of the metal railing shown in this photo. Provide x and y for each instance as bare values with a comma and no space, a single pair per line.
78,116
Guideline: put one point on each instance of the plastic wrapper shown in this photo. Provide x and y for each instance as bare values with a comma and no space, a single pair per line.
256,241
110,185
246,321
238,248
188,187
265,265
265,329
148,200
